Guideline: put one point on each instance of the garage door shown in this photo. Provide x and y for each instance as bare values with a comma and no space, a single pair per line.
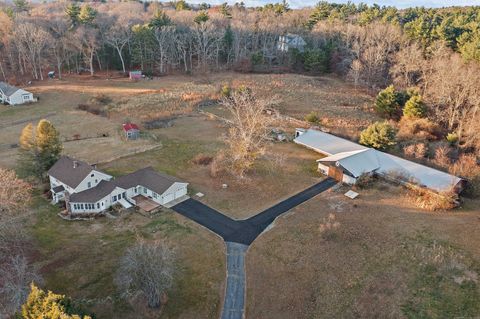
181,192
168,198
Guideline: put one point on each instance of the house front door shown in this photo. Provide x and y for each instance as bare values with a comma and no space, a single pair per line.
335,173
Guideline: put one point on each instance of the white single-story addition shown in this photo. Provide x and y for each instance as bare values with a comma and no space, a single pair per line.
291,41
346,161
145,188
13,96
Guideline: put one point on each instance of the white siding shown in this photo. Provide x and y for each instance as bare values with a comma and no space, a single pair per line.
93,180
349,180
323,168
20,97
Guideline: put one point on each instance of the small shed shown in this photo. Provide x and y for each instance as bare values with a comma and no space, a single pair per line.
132,132
135,75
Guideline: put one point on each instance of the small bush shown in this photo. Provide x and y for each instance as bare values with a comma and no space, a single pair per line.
431,201
414,107
93,109
418,129
100,99
365,180
442,156
379,135
452,138
418,150
312,117
202,159
226,91
467,167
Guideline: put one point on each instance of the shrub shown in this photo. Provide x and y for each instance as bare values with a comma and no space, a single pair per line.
312,117
418,129
467,166
379,135
226,91
452,138
100,99
426,199
365,180
418,150
414,107
387,104
202,159
442,156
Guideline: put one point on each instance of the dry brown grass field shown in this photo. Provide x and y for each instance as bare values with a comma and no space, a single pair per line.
385,259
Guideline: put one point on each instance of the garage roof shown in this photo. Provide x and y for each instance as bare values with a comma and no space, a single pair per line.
327,143
356,162
358,159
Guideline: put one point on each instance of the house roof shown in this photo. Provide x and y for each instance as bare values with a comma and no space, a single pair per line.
70,171
8,89
327,143
416,173
358,159
146,177
130,126
94,194
149,178
356,162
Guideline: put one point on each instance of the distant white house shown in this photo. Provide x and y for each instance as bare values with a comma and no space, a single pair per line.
291,41
13,96
346,161
86,190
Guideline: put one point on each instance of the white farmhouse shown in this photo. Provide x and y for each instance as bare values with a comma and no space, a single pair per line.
291,41
69,176
87,190
13,96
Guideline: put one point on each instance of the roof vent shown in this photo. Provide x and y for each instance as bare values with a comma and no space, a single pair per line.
75,164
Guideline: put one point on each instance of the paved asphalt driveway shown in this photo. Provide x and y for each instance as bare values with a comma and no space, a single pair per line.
238,235
245,231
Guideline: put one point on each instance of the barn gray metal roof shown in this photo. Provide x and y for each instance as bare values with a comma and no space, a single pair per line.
8,89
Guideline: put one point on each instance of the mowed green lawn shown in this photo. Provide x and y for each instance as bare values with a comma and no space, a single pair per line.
80,259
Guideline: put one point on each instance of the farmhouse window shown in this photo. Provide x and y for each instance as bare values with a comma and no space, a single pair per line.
81,206
89,184
92,175
98,205
114,198
144,190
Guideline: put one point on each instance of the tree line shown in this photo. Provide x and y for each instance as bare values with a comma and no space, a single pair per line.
435,51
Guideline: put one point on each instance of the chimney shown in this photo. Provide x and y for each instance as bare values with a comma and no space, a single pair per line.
75,164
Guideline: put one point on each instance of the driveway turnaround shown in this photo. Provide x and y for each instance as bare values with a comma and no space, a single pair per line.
245,231
238,235
234,304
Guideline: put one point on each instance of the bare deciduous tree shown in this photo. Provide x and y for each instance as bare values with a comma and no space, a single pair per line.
248,130
15,193
147,270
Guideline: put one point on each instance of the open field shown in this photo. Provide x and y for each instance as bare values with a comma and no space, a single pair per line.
80,258
386,259
340,106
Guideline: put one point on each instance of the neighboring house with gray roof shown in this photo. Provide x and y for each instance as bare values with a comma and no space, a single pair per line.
13,96
143,185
